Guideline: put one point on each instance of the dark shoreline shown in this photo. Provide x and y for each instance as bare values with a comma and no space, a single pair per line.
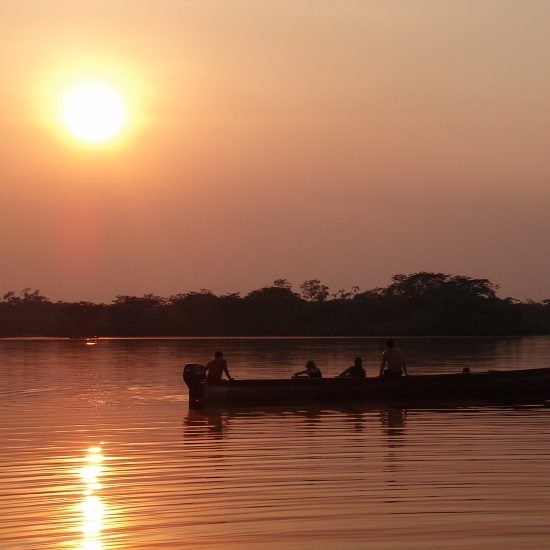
417,305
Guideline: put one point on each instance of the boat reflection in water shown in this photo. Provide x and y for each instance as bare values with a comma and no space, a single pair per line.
212,422
393,420
92,507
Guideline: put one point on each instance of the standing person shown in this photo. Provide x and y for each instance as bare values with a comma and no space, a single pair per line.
393,362
216,368
355,371
311,371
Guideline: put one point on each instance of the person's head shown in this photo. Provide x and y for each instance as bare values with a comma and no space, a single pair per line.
358,362
390,343
218,354
310,365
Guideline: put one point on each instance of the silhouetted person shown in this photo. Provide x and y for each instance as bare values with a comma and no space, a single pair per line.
355,371
311,371
216,368
393,361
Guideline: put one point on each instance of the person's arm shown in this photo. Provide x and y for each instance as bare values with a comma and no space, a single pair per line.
299,373
383,363
226,370
404,364
345,373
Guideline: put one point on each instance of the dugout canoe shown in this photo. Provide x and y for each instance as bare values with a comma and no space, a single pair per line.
529,386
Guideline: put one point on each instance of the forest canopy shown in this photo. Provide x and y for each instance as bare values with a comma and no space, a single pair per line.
415,304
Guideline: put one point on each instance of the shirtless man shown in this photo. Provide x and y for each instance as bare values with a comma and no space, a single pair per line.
395,361
216,368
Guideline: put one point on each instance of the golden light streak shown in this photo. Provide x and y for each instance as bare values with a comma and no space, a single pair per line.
92,507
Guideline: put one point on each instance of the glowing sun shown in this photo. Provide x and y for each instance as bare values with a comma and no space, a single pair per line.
93,112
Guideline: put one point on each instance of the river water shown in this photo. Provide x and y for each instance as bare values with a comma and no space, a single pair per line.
100,451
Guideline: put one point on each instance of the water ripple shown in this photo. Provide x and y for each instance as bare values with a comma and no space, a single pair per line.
86,465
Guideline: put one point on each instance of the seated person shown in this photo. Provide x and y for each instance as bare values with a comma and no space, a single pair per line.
311,371
355,371
393,363
216,368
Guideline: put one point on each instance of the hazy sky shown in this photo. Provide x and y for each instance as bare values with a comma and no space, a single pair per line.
345,140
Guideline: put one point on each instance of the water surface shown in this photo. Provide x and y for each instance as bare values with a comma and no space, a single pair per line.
100,451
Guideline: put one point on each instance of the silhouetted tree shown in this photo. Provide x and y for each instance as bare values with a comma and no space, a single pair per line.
136,316
282,283
314,291
81,319
272,310
26,314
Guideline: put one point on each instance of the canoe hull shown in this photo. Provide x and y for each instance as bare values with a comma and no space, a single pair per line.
525,386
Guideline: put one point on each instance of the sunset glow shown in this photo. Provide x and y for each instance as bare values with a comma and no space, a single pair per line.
297,132
93,112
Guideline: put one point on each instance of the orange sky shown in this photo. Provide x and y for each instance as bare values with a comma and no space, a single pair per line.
341,140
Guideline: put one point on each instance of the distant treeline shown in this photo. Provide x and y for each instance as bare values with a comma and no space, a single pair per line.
417,304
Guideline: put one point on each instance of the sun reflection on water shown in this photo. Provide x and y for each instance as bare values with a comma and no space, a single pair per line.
92,507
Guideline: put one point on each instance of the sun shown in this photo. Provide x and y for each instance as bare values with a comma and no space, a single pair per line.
93,113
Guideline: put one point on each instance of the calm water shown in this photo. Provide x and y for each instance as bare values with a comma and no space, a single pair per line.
100,451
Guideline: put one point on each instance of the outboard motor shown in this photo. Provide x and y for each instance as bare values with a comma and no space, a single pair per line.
194,376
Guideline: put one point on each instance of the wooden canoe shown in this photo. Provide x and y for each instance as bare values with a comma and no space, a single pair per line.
510,387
